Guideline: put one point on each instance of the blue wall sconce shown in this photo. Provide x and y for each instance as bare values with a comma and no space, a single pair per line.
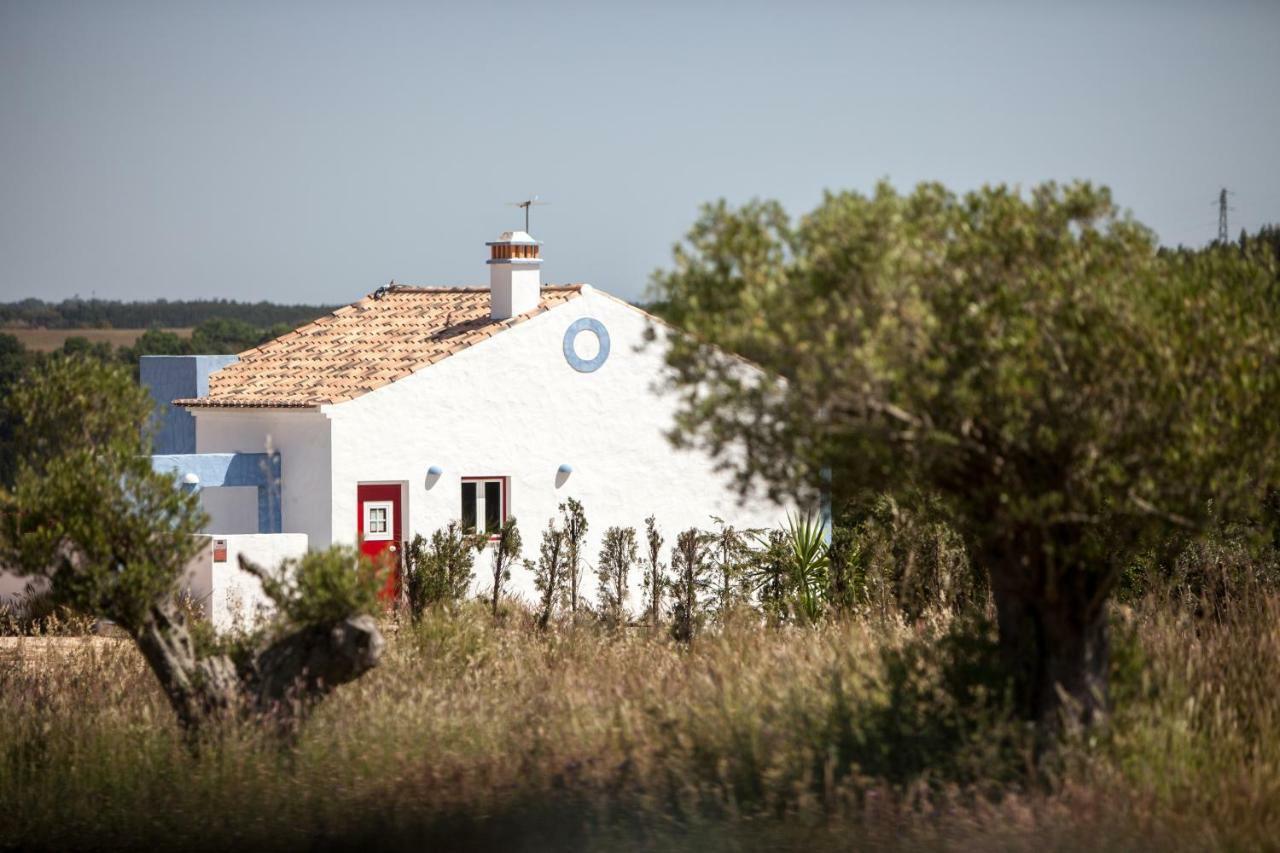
562,474
433,475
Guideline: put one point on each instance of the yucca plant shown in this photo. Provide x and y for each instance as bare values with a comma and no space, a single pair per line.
791,568
809,562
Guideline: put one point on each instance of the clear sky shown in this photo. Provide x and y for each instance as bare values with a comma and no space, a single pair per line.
313,151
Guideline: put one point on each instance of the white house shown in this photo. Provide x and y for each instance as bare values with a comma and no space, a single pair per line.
418,405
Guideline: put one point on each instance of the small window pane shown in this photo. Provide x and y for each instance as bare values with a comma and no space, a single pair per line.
377,519
492,506
468,506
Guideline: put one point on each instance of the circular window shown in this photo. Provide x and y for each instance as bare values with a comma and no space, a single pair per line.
592,361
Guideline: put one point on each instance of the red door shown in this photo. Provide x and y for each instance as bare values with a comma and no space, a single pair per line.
378,509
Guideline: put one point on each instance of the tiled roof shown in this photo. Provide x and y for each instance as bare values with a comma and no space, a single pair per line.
383,337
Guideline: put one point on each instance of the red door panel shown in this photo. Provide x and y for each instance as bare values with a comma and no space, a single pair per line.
378,522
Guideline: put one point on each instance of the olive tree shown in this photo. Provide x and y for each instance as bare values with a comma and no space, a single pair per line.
112,536
1069,394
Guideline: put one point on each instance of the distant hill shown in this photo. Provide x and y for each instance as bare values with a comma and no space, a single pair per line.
182,314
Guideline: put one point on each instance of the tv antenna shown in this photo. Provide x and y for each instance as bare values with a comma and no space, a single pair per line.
526,204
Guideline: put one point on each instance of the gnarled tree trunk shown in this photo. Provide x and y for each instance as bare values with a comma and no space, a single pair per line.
280,680
1053,639
199,689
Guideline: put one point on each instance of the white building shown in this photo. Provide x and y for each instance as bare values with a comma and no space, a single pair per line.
416,405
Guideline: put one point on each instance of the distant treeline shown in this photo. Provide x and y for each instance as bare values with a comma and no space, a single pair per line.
212,336
103,313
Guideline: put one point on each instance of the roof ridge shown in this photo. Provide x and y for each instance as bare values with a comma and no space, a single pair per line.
461,288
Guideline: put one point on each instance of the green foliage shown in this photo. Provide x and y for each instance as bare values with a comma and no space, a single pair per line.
156,342
107,314
655,572
619,551
789,571
846,577
730,553
690,559
944,709
1031,360
573,521
322,587
15,360
770,575
807,554
1211,575
549,572
1067,393
87,510
214,336
905,557
505,548
225,335
439,571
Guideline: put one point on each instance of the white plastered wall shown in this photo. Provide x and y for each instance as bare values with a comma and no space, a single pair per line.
230,597
302,437
231,509
512,406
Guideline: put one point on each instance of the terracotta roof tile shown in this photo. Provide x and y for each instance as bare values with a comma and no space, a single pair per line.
384,337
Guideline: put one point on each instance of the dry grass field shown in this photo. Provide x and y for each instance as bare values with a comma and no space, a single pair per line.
48,340
866,734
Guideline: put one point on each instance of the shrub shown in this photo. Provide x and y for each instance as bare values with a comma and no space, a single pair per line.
730,553
321,587
506,546
690,566
904,556
439,571
549,571
655,579
618,553
573,521
790,570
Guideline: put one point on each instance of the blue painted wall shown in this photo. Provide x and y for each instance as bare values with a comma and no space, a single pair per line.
213,470
174,377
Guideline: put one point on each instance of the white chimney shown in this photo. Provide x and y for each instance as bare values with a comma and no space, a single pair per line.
515,275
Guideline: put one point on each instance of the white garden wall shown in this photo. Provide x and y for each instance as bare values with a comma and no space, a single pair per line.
229,596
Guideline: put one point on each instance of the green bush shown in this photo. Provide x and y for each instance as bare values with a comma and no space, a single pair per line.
439,571
903,557
323,587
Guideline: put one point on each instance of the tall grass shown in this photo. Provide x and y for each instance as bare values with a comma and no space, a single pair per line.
873,733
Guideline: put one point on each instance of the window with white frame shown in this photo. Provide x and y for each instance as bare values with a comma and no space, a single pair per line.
484,503
377,520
